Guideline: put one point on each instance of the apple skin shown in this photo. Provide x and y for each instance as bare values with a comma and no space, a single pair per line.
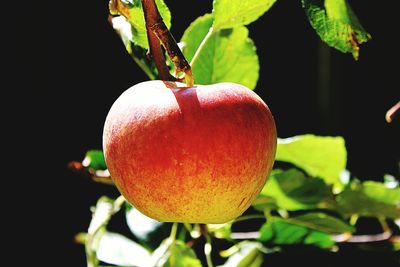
196,155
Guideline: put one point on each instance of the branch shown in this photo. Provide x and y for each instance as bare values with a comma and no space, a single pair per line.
156,25
390,114
155,51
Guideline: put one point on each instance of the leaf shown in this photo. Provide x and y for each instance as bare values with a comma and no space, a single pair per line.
133,11
322,222
226,56
235,13
292,190
262,203
175,254
222,231
139,224
248,254
336,24
122,26
94,159
321,156
283,232
117,249
370,199
194,35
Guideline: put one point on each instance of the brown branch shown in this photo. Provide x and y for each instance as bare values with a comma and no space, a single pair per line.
156,25
390,114
99,176
155,50
342,238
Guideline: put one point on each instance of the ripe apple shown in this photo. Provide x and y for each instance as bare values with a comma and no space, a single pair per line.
196,154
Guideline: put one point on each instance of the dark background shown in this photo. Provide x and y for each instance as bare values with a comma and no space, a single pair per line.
88,68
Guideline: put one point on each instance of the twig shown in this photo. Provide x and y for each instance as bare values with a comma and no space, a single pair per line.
391,113
156,25
155,50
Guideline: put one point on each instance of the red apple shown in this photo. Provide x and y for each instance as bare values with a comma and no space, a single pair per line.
197,155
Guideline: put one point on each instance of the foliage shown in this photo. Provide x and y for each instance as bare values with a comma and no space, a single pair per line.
295,208
307,200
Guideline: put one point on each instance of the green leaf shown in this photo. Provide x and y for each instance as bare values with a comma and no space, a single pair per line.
122,26
222,231
247,254
235,13
119,250
284,232
320,156
194,35
292,190
370,199
94,159
225,56
174,254
262,203
336,24
136,19
322,222
144,228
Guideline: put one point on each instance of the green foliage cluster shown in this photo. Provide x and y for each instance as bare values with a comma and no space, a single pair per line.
309,199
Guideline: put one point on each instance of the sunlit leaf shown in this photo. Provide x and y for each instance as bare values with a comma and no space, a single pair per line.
194,35
174,254
139,54
132,10
117,249
292,190
235,13
336,24
247,254
226,55
370,199
321,156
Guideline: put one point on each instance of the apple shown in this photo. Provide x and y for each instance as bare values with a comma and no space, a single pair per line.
196,154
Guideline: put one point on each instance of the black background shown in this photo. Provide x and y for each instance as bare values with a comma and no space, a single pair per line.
88,68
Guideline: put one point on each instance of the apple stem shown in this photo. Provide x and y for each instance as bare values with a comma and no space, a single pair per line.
158,32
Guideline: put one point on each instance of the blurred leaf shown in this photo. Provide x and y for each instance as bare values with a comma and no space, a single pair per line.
370,199
175,254
292,190
194,35
247,254
322,222
139,224
101,215
390,181
222,231
321,156
94,159
226,56
285,232
117,249
262,203
235,13
336,24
